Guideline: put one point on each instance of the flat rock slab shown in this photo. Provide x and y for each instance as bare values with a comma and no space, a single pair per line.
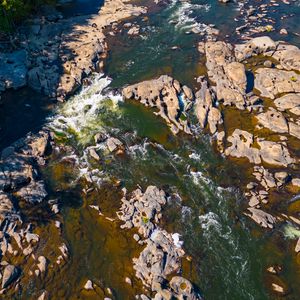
273,82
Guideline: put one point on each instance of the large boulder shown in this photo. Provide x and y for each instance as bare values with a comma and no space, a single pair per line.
258,45
228,75
273,120
289,102
273,82
288,56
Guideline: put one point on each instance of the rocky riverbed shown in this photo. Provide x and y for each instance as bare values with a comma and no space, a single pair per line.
107,187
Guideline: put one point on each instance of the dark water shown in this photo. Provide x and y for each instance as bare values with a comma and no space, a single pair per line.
20,112
80,7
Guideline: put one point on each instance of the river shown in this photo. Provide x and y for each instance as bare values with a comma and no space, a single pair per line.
229,253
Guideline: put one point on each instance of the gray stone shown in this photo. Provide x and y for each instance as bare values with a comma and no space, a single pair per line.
10,274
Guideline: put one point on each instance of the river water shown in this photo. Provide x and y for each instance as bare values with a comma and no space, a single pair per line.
229,253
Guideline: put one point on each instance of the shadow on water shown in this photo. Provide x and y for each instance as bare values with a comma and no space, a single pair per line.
73,8
21,111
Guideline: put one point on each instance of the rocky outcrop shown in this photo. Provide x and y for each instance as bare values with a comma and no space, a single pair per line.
161,257
289,102
273,82
226,73
273,120
62,52
167,95
205,108
21,186
256,46
260,217
242,145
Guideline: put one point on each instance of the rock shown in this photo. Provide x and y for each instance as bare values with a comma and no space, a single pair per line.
113,144
89,285
273,82
162,253
242,146
237,74
258,45
165,94
274,153
128,280
183,288
43,296
289,102
39,144
261,218
188,92
78,45
296,182
288,56
214,119
94,154
294,129
297,247
142,209
253,201
42,264
281,176
278,288
230,82
159,259
283,31
203,104
34,192
10,274
7,210
273,120
134,30
136,237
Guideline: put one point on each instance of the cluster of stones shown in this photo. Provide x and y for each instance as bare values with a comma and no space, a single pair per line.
276,80
20,181
253,19
166,95
161,257
226,71
58,54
